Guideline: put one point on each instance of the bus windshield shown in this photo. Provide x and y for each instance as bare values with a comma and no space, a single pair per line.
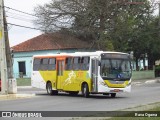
113,68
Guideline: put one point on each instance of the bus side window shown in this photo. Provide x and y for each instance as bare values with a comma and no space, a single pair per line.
76,63
68,64
36,64
44,64
85,63
52,64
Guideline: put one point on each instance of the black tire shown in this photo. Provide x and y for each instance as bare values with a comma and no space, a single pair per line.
73,93
113,95
49,89
85,90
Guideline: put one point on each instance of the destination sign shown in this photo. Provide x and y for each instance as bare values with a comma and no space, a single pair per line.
115,55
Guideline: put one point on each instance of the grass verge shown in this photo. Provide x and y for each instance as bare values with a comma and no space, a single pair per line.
23,81
147,114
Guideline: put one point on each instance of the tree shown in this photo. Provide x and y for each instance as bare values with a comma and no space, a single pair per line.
132,30
59,14
154,41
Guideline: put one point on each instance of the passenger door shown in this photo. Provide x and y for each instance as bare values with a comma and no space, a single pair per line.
60,72
94,74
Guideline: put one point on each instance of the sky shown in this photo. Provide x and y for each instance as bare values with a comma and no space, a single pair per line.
19,34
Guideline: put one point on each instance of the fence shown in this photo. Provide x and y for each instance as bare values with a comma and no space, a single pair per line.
148,74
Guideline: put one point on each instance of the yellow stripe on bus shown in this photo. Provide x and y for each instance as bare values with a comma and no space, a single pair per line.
116,85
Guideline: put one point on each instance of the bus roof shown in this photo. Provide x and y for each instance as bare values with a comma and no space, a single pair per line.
97,53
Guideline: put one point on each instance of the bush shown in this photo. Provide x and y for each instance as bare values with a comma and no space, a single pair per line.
157,71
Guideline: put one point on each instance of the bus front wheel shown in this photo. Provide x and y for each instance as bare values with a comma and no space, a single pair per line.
85,90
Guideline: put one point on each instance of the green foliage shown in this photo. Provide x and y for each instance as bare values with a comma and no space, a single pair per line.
157,68
104,42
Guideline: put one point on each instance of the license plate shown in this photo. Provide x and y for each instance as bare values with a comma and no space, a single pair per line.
116,90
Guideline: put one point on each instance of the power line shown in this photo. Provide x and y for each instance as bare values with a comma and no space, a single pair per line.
22,19
17,14
24,26
20,11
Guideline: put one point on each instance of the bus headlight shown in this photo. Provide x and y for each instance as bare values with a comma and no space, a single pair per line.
129,83
103,83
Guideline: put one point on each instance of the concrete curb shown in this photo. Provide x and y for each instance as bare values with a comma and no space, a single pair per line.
151,81
24,86
15,96
146,82
136,83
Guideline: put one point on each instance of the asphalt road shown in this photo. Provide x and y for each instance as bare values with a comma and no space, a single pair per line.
140,95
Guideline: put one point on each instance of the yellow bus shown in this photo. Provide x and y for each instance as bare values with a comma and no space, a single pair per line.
98,72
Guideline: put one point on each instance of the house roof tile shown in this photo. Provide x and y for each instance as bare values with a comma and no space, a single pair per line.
51,42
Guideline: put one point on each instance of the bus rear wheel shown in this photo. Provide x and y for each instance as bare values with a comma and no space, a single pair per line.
49,89
85,90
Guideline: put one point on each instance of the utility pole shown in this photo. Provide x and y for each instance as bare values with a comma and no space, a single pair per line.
8,50
3,63
159,14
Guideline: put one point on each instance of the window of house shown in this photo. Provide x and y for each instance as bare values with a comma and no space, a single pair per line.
22,68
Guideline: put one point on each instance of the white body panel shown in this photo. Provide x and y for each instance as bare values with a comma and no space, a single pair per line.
37,80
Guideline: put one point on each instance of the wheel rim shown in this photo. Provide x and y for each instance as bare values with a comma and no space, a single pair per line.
49,89
84,90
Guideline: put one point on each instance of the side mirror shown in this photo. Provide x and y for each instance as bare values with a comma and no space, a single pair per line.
131,55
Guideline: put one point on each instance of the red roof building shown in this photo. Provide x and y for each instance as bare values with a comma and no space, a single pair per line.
54,41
